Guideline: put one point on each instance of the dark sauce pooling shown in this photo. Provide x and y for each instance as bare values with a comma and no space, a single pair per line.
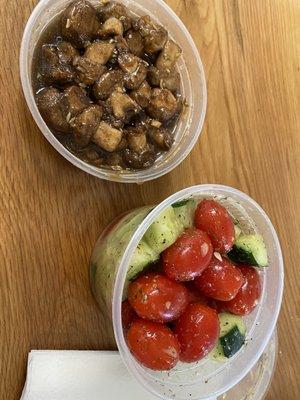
107,86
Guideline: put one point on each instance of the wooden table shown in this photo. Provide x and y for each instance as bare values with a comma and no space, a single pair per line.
52,213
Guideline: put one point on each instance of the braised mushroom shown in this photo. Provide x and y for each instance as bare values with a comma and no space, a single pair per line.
88,71
86,123
117,10
161,137
123,106
99,51
79,23
135,42
55,68
142,94
155,36
164,78
169,55
107,83
107,137
135,70
76,100
111,27
163,105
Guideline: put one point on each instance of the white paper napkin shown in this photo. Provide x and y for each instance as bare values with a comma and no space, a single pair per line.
80,375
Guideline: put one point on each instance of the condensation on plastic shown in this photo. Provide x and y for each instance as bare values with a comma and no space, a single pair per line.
193,87
208,378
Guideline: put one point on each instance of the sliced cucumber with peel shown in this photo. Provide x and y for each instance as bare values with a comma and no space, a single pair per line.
237,231
232,337
249,249
185,212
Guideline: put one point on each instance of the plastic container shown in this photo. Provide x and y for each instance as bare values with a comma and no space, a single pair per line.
193,87
207,378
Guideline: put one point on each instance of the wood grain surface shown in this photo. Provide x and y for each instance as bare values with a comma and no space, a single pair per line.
51,213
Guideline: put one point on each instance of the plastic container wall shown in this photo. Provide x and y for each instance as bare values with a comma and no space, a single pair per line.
193,87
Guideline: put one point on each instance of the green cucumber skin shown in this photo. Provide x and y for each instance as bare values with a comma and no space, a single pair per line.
241,256
180,203
232,342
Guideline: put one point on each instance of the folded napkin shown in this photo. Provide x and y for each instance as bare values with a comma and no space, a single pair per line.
80,375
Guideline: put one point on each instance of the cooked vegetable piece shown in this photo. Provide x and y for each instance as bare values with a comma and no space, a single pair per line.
55,68
99,51
169,55
117,10
87,70
111,27
107,83
86,123
107,137
163,105
135,43
76,100
123,106
164,78
79,22
142,94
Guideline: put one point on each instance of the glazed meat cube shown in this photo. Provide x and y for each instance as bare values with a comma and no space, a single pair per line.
165,79
135,42
88,71
107,137
86,123
123,106
135,70
142,94
161,137
117,10
54,69
163,105
99,51
169,55
155,36
53,109
111,27
107,84
76,100
79,23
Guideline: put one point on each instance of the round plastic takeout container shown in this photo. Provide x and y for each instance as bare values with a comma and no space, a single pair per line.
193,87
207,378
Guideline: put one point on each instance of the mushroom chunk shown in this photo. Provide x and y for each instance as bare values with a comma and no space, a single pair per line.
139,160
54,67
161,137
169,55
107,83
155,36
99,51
135,70
142,94
117,10
88,71
86,123
137,140
135,42
66,52
76,100
163,105
53,109
165,79
111,27
79,22
123,106
107,137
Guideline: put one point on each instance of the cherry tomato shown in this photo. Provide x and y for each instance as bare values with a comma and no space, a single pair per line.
128,314
214,219
221,280
157,298
188,256
153,345
247,298
194,294
197,331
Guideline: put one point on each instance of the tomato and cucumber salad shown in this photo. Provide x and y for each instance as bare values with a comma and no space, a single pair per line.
188,301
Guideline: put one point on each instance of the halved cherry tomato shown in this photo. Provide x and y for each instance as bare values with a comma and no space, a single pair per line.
197,331
194,294
128,314
221,280
153,344
188,256
247,297
157,298
215,220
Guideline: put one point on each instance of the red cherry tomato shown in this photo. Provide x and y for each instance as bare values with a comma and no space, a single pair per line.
153,345
215,220
194,295
188,256
128,314
247,298
197,331
157,298
221,280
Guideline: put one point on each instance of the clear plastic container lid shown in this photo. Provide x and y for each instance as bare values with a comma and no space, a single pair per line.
193,87
209,378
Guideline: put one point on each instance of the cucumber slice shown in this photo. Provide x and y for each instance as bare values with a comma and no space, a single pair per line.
164,231
249,249
143,256
237,231
185,211
232,337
